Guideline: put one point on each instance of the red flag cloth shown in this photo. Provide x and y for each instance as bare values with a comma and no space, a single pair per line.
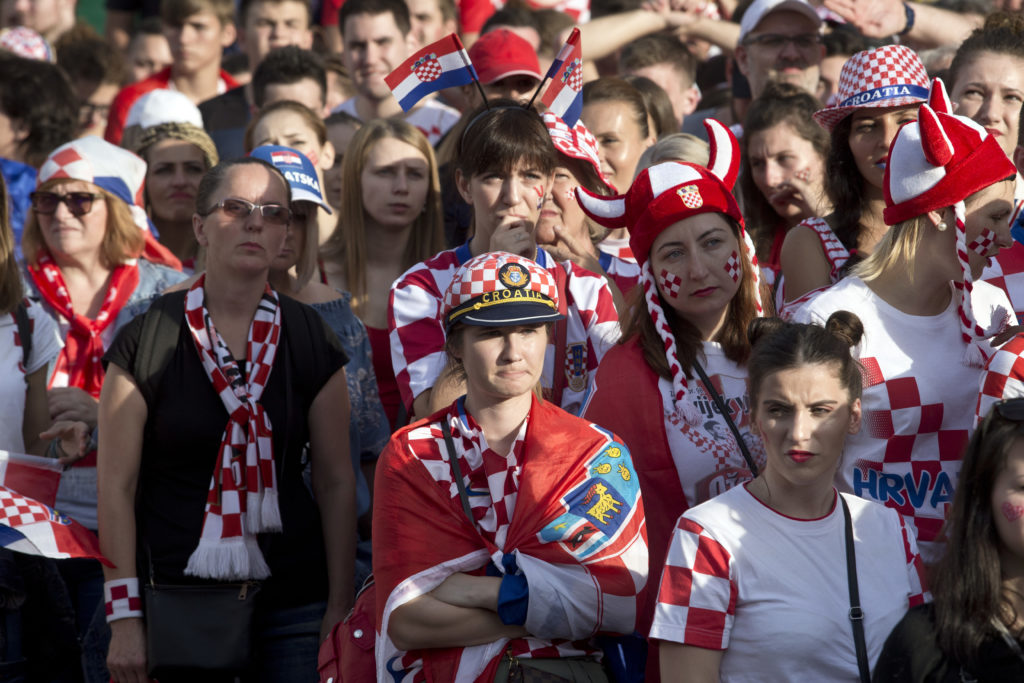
577,533
30,525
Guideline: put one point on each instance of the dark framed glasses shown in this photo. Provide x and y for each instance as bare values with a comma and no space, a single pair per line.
240,209
78,203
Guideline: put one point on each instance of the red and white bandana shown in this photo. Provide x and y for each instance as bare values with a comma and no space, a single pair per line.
242,501
79,363
576,143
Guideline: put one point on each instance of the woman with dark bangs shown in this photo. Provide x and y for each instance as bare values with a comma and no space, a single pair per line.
974,629
872,104
675,389
504,165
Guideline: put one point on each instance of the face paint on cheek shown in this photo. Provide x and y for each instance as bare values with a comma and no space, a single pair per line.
732,266
981,245
1012,512
803,174
570,194
669,283
540,195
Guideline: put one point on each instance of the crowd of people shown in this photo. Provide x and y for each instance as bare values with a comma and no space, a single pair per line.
712,374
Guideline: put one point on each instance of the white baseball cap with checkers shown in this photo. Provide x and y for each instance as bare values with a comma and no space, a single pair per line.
499,289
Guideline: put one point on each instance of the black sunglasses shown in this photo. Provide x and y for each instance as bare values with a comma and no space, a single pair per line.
1010,409
78,203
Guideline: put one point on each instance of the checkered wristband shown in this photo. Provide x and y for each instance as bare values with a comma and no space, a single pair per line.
122,599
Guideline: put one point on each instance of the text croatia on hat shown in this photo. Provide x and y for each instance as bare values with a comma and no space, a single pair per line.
499,289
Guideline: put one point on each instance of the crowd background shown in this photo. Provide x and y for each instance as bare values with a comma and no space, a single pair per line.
732,161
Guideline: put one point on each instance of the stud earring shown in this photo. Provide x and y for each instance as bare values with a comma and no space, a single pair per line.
941,227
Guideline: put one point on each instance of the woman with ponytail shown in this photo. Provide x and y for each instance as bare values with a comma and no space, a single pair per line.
927,321
764,567
698,292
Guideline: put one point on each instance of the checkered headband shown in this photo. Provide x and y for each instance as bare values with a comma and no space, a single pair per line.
935,163
499,289
117,171
576,143
888,76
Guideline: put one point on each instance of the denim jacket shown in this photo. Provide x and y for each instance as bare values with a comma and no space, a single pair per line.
369,430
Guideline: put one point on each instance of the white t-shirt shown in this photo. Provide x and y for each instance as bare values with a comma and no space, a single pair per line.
707,457
772,590
918,403
46,344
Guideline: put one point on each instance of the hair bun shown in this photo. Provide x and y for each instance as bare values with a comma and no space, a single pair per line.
845,326
761,328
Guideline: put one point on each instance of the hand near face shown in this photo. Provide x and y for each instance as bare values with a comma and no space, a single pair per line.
804,190
514,235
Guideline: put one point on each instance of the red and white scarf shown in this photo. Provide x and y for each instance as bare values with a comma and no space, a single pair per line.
242,501
79,363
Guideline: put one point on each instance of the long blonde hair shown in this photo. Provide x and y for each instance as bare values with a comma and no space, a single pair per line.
347,244
897,248
10,279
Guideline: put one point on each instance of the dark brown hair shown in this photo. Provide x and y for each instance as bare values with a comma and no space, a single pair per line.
501,135
967,582
780,103
10,280
777,345
618,90
657,104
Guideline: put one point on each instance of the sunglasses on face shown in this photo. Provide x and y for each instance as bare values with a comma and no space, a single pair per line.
240,209
78,203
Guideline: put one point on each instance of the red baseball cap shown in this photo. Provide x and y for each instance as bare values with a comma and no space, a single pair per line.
501,53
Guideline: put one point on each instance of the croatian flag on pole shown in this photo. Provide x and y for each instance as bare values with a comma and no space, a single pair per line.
441,65
564,96
28,522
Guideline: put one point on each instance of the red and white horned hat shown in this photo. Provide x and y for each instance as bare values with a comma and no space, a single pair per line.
661,196
937,162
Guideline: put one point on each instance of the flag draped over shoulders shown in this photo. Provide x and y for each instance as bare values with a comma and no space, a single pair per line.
577,533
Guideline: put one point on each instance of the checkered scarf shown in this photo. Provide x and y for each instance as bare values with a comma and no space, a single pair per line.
79,360
243,495
680,385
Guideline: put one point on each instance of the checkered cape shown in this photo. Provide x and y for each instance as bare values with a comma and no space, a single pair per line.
535,513
416,327
242,500
78,364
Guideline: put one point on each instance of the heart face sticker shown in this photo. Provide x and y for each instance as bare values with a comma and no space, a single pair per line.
1012,512
732,266
669,283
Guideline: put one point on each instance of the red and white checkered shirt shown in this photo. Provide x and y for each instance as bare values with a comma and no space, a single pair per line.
1003,377
417,331
918,403
1007,273
743,578
834,251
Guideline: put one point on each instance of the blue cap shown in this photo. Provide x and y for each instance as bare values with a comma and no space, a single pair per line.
297,169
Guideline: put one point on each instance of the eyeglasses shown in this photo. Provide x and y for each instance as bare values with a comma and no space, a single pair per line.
777,41
78,203
235,209
86,110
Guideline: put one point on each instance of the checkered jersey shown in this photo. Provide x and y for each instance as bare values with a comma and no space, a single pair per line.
625,272
743,578
1006,271
416,327
618,247
918,402
835,253
1003,377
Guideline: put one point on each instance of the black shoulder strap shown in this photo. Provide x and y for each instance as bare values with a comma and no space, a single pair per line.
161,326
856,613
24,333
308,345
453,460
724,410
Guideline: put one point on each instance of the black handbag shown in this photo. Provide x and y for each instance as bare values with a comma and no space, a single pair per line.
203,627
